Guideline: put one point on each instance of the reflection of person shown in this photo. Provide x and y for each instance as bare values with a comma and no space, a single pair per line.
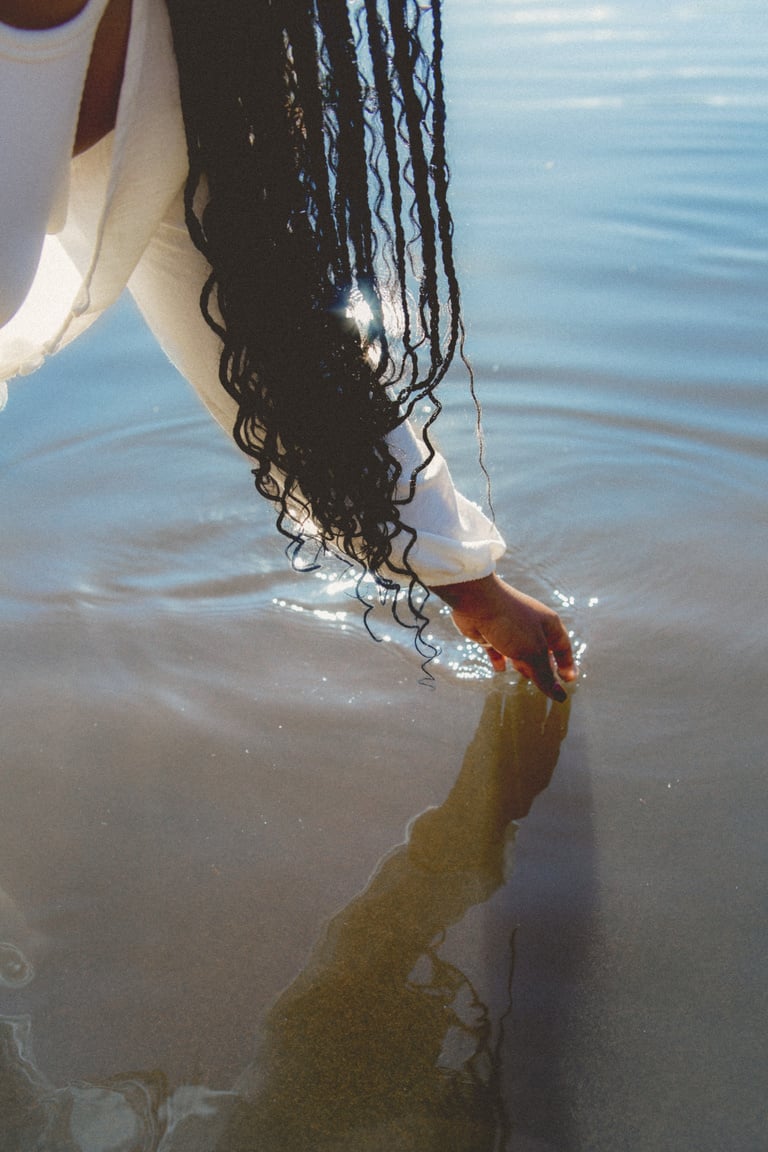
301,188
380,1042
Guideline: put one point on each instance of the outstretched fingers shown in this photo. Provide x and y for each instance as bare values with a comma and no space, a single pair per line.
551,658
498,659
559,644
540,671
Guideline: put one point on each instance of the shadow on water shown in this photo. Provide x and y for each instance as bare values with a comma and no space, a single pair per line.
383,1041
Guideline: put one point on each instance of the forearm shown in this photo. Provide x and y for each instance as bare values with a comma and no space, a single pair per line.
456,547
455,541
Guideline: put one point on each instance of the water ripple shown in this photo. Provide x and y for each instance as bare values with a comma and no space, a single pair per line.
15,970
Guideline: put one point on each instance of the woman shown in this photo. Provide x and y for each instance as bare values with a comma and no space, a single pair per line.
274,195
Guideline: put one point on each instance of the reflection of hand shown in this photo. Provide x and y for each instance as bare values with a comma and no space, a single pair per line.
510,624
508,763
532,733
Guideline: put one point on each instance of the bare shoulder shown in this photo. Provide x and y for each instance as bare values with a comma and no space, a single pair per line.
38,14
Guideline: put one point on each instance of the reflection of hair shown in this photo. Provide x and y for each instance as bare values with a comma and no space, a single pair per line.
316,128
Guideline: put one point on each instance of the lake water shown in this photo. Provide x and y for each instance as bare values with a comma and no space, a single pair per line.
259,887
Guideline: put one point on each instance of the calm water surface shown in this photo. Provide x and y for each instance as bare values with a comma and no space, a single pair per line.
259,889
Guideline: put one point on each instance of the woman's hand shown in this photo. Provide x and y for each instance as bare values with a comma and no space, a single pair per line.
510,624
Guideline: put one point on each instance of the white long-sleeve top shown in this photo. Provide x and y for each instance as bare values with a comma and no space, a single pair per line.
74,232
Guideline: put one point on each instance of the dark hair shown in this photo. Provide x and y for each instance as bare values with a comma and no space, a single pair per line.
317,192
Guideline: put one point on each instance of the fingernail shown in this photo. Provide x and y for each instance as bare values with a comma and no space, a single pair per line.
559,694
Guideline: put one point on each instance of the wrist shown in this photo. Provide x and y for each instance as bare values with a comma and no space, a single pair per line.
467,595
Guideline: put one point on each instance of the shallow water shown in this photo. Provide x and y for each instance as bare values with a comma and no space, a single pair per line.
210,921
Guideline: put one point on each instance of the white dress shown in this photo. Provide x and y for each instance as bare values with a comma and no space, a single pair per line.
74,233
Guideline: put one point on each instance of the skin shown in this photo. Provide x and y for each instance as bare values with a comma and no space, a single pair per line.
509,624
39,13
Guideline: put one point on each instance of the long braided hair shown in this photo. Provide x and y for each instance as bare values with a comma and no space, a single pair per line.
317,192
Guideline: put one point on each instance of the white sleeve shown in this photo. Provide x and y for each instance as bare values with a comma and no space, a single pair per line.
42,73
455,541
